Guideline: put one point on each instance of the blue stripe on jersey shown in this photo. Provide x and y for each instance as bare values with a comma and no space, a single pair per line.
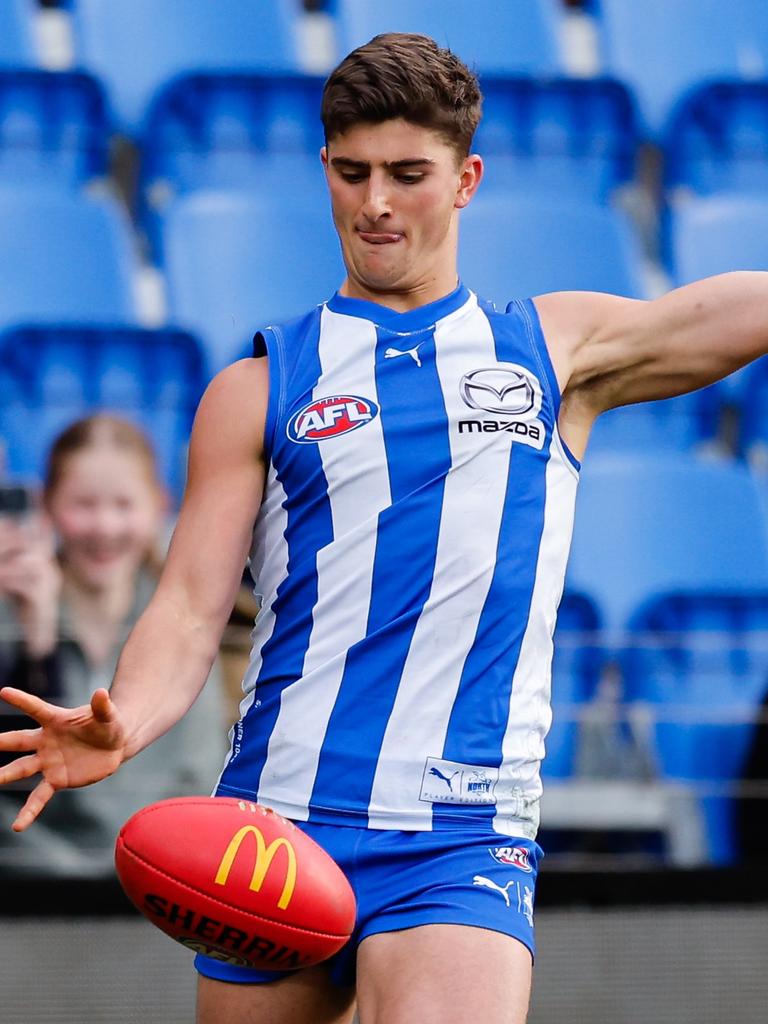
527,308
479,715
265,343
418,459
283,654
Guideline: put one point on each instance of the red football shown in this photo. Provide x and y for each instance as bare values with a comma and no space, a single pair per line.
236,881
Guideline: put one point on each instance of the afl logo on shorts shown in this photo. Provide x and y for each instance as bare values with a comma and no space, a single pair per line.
329,417
516,856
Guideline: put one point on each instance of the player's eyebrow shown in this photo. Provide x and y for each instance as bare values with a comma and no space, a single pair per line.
364,165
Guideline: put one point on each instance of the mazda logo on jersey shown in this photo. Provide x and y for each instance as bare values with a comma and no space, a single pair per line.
512,395
505,389
330,417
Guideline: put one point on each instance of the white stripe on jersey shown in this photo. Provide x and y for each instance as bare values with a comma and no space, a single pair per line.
530,714
269,564
472,510
347,354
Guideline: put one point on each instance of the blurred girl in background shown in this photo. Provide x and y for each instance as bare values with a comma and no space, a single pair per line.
73,582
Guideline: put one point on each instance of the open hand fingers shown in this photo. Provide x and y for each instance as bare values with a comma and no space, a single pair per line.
36,801
20,739
21,768
29,704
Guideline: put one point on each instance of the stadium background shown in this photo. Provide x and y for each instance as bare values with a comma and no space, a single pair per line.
160,196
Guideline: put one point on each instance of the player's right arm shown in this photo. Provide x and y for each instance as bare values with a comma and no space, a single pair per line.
169,653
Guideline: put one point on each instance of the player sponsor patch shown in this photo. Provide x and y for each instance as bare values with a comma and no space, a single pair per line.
515,856
450,782
329,417
513,397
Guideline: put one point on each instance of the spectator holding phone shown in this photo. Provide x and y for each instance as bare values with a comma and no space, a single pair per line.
74,578
30,582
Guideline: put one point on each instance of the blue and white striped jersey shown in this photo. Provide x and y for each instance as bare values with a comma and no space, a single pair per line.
410,555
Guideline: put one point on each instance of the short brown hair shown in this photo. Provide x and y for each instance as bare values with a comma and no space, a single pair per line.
399,75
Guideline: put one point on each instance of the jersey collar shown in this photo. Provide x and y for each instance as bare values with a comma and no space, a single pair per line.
414,320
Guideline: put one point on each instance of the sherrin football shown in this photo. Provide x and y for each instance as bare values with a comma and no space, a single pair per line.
235,881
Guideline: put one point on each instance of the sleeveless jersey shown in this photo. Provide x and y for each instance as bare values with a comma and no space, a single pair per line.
409,555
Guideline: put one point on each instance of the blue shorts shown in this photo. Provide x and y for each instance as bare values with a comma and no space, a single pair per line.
405,879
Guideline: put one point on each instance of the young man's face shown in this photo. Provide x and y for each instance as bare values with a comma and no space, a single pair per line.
395,188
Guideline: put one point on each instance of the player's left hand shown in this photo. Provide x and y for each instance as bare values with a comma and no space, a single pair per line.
72,747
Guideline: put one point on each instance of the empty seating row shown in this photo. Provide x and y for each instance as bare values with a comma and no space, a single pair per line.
692,676
668,580
52,375
182,35
660,50
213,129
663,50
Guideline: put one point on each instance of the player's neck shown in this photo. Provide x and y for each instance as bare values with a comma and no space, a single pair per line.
401,300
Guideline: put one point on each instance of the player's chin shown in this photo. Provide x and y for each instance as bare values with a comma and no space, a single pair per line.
378,276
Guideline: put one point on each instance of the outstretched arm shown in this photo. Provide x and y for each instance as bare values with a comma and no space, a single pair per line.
611,351
169,653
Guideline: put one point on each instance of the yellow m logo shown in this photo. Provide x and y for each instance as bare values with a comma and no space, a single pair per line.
264,857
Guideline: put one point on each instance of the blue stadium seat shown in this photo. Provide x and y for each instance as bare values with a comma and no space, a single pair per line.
512,247
666,546
137,46
717,234
64,257
17,45
567,136
576,669
237,261
237,131
699,662
518,35
753,422
50,376
682,424
213,130
663,49
53,128
649,525
718,141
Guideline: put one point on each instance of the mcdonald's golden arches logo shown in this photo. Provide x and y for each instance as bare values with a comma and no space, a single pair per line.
264,857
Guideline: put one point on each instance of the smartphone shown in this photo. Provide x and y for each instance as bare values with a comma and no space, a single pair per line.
15,502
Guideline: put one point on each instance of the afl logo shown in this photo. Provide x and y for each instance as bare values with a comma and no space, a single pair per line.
507,390
515,856
329,417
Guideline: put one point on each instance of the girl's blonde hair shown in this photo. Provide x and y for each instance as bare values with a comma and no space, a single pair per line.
103,430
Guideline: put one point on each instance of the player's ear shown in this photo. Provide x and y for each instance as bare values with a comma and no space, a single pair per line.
324,157
471,174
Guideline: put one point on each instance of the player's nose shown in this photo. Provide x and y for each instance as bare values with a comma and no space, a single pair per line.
377,202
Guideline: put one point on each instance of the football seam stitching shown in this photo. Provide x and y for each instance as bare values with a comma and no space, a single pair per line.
229,906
